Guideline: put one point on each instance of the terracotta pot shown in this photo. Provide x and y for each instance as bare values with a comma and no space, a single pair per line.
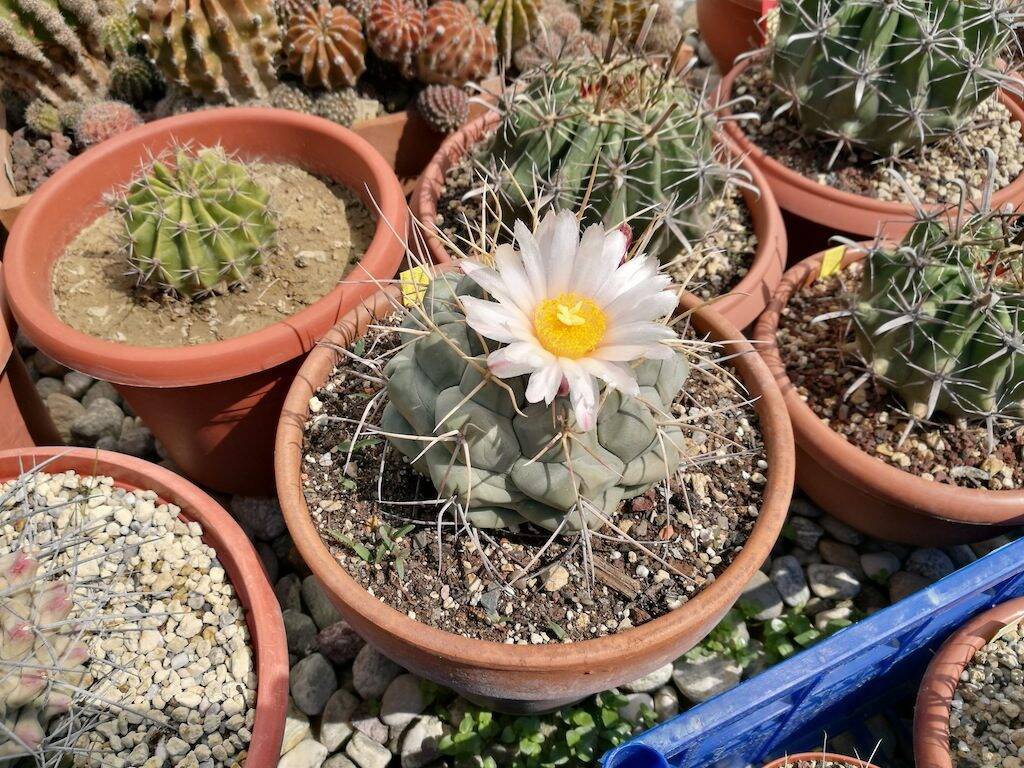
740,306
24,420
213,406
791,760
931,712
730,27
236,555
865,492
816,212
518,678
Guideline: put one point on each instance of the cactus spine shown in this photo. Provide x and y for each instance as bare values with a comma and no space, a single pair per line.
513,22
199,224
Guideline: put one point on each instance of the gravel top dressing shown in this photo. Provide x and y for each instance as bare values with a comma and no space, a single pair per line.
187,687
931,174
821,360
986,727
322,231
507,586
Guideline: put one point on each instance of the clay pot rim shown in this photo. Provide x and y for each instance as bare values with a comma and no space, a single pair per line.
842,459
763,209
777,437
831,757
237,555
939,684
219,360
784,175
6,340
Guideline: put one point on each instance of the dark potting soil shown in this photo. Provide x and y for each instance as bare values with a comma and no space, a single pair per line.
472,582
822,362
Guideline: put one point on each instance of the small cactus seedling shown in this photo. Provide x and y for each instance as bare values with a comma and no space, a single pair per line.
102,120
42,118
889,75
197,224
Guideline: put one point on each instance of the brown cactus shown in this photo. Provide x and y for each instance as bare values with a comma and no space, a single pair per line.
457,48
324,45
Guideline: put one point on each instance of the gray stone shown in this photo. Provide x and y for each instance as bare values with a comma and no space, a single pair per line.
904,583
760,599
318,605
840,531
651,681
336,724
837,553
666,703
961,554
806,532
47,386
879,566
402,701
102,390
296,727
339,642
982,548
47,366
700,679
312,682
871,598
101,418
305,754
635,704
932,564
420,743
301,632
804,507
261,515
135,438
372,672
788,577
339,761
77,384
832,582
64,411
289,592
367,753
367,723
805,556
839,613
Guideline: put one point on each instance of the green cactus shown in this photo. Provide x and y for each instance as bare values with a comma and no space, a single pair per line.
199,224
518,468
624,17
513,21
631,136
940,319
889,75
134,80
42,118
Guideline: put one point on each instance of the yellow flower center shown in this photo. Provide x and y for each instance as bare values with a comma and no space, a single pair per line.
569,325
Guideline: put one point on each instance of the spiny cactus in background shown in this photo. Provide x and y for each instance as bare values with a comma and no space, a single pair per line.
889,75
289,97
444,107
285,8
120,31
324,45
102,120
940,319
358,8
620,136
517,468
560,35
341,107
513,22
197,224
624,17
457,46
134,80
42,118
220,51
51,50
394,30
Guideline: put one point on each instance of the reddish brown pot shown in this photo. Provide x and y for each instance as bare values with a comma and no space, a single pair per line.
931,713
816,212
730,27
861,490
236,554
740,306
24,420
791,760
518,678
214,406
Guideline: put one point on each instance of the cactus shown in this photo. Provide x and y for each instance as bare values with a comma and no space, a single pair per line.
133,80
624,17
119,33
103,120
341,107
288,97
42,118
194,226
394,30
32,163
560,36
286,8
513,21
517,469
889,75
324,45
219,51
444,107
633,136
457,47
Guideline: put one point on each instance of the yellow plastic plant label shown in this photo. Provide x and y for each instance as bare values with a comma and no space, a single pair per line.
414,285
831,261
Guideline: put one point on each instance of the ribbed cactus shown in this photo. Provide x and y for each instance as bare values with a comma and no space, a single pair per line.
196,224
889,75
625,17
324,45
222,51
518,468
940,319
513,22
633,136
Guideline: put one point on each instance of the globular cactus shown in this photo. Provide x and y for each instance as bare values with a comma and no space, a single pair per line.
518,470
358,8
218,50
514,22
42,118
444,107
103,120
457,46
889,75
631,134
324,45
289,97
623,17
120,31
69,112
285,8
341,107
198,224
394,30
560,36
940,318
133,80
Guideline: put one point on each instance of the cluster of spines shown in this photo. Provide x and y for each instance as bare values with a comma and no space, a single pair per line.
325,46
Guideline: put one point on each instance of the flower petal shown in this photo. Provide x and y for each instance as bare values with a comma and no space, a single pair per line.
614,375
510,265
544,383
639,332
599,256
623,353
518,359
495,320
561,253
634,272
582,394
495,284
532,255
643,302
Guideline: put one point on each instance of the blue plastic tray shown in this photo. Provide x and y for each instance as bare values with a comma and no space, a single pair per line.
856,687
